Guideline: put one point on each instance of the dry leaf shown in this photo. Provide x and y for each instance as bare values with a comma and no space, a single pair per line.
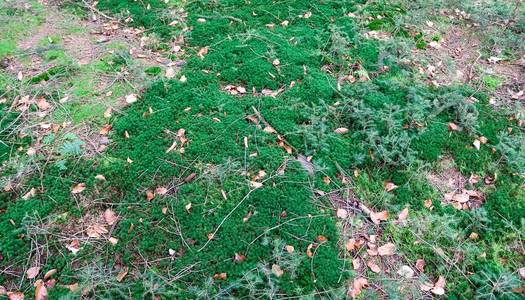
521,271
277,271
341,130
50,273
255,184
188,207
122,274
170,73
149,195
43,104
105,129
461,198
439,286
96,230
239,257
379,216
476,144
350,244
357,286
107,113
405,271
390,186
113,241
220,276
291,249
78,188
452,127
32,272
420,265
309,252
100,177
386,249
203,51
40,290
131,98
74,246
373,267
342,213
110,217
15,296
403,215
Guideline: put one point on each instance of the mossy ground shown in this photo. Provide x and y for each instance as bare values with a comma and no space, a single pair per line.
214,213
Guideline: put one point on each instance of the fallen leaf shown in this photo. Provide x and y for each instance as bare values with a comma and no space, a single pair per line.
405,271
439,286
476,144
40,290
239,257
342,213
78,188
461,198
100,177
291,249
43,104
15,296
452,127
426,286
203,51
358,285
105,129
96,230
420,265
50,273
32,272
220,276
373,267
113,241
387,249
350,244
74,246
108,112
309,252
131,98
379,216
255,184
277,271
122,274
521,271
356,264
403,215
150,195
188,207
341,130
110,217
390,186
170,73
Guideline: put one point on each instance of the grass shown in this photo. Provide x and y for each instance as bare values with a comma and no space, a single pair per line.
216,208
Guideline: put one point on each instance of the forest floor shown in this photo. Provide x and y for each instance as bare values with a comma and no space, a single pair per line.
262,150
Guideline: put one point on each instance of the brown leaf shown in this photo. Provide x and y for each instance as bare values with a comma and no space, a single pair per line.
342,213
74,246
239,257
96,230
110,217
356,263
289,248
40,290
309,252
358,285
170,73
439,286
452,127
390,186
220,276
403,215
476,144
379,216
149,195
203,51
350,244
50,273
131,98
521,271
78,188
373,267
43,104
15,296
341,130
387,249
105,129
32,272
277,271
420,265
123,272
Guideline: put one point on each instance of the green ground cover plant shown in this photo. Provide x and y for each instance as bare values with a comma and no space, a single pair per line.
205,176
